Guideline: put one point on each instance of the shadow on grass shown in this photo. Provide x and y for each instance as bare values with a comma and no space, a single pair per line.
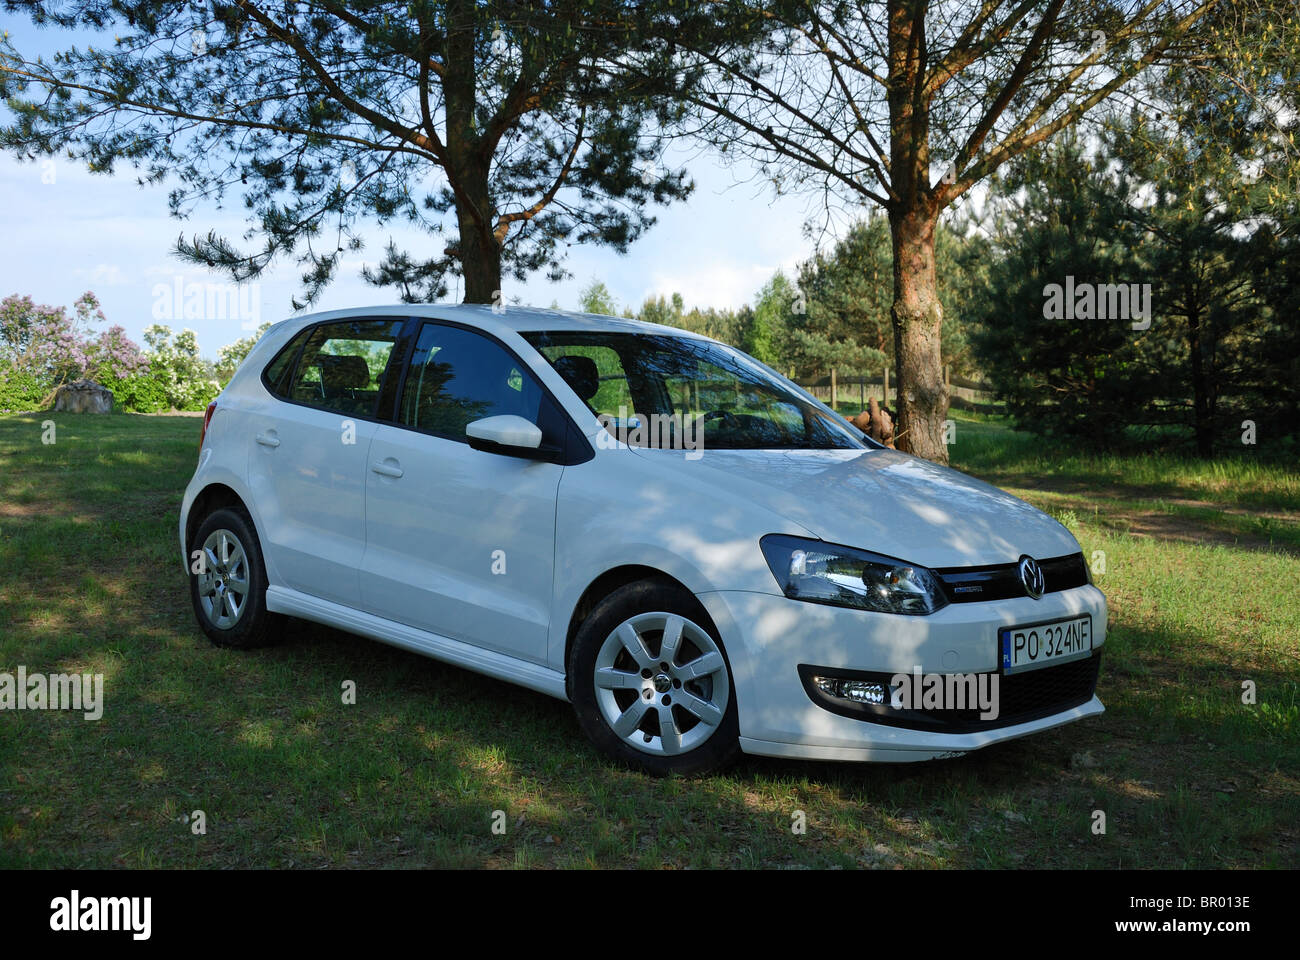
414,773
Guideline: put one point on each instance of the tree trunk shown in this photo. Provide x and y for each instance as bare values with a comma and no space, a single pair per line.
913,212
480,254
922,402
468,161
1202,420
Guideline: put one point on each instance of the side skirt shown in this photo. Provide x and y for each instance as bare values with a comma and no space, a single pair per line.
497,665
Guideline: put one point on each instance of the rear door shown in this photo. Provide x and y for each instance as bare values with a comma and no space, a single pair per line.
459,541
308,465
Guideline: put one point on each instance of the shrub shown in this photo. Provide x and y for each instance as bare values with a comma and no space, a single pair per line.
20,391
143,393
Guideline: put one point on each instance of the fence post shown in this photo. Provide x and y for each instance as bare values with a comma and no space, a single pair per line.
862,392
885,398
833,388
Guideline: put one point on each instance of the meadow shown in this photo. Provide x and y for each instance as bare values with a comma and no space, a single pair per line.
1201,562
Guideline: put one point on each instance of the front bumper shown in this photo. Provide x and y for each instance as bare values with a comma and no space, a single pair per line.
769,636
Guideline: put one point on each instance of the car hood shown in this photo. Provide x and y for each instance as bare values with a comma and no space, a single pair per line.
885,501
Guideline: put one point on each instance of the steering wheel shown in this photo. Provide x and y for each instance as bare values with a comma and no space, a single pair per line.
729,420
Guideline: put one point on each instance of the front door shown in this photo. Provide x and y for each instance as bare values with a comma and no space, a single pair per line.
459,541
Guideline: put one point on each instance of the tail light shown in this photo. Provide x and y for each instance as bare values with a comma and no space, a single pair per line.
207,418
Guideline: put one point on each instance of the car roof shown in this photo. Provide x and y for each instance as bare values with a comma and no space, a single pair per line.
499,319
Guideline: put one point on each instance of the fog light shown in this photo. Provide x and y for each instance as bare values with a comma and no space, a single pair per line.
860,691
855,691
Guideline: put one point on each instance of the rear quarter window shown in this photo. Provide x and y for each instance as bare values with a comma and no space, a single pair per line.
277,373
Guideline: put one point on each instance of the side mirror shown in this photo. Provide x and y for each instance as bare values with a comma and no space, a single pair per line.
511,436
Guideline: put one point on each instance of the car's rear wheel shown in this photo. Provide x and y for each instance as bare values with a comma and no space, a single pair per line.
228,582
651,684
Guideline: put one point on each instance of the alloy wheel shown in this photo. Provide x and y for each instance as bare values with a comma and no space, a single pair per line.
661,683
223,584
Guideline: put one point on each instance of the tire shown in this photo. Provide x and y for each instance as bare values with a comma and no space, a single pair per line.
680,720
229,596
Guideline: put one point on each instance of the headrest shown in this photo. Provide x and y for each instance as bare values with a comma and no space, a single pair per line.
580,373
343,373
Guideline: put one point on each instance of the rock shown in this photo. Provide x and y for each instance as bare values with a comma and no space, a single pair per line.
83,396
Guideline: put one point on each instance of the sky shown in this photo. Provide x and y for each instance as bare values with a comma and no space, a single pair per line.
64,231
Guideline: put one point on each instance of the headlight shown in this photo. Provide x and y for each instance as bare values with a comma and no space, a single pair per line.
827,573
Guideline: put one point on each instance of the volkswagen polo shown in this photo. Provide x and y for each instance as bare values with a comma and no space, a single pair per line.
683,544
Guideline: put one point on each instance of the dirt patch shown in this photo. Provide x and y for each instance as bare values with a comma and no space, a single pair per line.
1181,529
1140,521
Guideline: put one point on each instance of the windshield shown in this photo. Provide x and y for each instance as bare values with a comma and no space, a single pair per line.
664,391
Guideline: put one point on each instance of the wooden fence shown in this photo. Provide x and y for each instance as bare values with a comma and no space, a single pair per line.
963,393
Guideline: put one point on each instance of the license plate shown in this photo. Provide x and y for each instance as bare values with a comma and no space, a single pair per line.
1038,645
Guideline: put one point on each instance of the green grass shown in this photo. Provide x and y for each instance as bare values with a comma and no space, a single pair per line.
410,776
995,453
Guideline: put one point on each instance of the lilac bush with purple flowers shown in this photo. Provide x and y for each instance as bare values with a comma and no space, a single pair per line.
42,347
115,356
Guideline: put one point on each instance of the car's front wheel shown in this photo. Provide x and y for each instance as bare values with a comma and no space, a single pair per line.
651,684
228,581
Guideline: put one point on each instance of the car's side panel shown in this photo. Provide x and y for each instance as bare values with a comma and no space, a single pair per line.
461,543
307,470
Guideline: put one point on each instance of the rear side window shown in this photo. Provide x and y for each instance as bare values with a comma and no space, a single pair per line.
596,374
342,365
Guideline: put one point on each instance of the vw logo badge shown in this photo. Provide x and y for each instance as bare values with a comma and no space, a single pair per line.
1031,575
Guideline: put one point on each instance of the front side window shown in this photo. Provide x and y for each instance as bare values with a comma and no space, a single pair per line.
342,365
457,376
628,378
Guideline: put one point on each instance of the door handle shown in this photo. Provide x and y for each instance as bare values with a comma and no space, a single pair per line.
386,468
268,440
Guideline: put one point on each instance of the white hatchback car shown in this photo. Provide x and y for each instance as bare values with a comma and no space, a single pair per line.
697,554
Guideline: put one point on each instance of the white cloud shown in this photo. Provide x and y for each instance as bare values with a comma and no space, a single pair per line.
103,275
